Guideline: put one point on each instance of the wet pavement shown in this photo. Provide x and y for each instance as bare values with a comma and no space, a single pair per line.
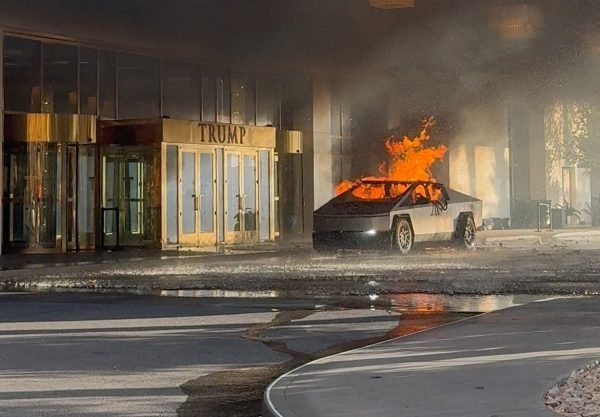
127,355
496,364
443,270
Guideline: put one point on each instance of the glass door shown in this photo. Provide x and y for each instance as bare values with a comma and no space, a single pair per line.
250,198
189,214
86,197
70,202
197,197
233,197
208,235
42,200
32,191
125,199
241,197
134,199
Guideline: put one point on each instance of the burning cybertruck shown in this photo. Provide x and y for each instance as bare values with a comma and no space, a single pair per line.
396,214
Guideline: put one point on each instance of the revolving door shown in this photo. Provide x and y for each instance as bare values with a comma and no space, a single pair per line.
49,196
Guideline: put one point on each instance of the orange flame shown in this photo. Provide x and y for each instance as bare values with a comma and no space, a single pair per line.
409,160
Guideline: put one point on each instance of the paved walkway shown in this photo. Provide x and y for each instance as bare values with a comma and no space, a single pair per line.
494,365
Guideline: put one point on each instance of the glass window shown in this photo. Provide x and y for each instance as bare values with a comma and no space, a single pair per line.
238,99
134,176
108,84
243,99
171,214
251,100
206,193
233,193
181,91
220,196
188,192
250,193
138,87
264,195
88,81
22,75
223,98
267,101
209,96
60,79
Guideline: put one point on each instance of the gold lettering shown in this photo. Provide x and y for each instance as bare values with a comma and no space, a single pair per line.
221,133
242,134
232,135
211,133
202,126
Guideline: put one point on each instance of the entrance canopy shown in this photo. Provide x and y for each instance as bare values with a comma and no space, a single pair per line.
152,131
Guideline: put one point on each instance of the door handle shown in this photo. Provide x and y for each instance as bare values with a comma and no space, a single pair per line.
196,202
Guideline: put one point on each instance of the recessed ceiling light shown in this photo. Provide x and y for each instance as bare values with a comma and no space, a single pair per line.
392,4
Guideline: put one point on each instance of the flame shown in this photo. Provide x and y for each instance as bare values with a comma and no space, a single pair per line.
409,160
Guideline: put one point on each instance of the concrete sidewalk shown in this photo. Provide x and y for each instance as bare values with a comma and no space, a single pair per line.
577,238
10,262
497,364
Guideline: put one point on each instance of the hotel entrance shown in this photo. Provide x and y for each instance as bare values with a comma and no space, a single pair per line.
185,184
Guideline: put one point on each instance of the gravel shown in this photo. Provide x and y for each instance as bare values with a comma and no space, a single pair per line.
578,395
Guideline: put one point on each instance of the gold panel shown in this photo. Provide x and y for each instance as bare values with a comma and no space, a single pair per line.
46,127
289,141
217,134
155,131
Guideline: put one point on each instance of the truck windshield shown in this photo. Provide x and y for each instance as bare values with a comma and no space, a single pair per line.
377,191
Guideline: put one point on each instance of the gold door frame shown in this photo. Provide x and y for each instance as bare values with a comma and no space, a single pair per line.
187,239
208,238
241,235
198,238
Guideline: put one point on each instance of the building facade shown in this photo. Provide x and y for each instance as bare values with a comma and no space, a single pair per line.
104,147
188,126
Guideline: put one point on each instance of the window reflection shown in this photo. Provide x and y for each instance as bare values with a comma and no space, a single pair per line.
181,91
139,92
209,96
243,99
60,79
223,98
88,72
22,80
108,84
267,101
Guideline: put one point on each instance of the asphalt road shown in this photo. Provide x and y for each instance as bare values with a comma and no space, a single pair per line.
497,364
126,355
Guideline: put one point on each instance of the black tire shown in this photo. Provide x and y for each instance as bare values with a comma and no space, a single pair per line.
466,232
402,236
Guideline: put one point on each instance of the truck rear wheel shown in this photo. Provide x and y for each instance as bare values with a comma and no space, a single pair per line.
465,232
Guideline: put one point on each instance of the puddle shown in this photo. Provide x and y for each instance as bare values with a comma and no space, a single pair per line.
219,294
410,302
440,303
